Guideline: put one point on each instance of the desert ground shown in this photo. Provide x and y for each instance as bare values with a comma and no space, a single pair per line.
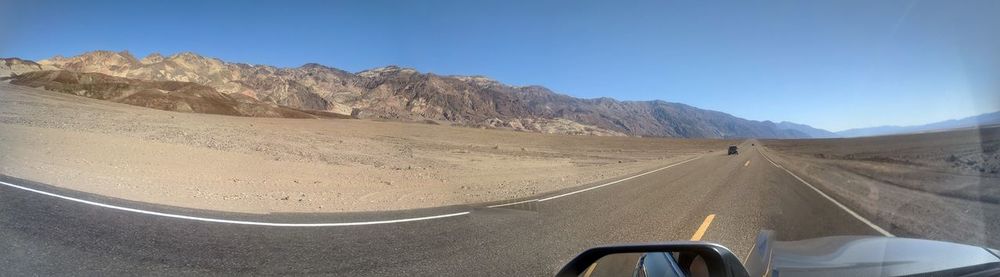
943,185
265,165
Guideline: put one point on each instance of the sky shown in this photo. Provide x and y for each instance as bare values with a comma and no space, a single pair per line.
830,64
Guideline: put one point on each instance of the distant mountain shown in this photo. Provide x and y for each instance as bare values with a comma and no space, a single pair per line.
9,66
872,131
808,130
405,94
968,122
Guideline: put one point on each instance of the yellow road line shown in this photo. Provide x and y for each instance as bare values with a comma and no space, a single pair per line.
747,164
590,270
704,227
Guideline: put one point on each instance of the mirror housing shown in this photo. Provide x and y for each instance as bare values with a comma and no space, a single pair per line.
720,261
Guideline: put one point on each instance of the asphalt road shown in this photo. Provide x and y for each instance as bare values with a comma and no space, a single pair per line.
45,235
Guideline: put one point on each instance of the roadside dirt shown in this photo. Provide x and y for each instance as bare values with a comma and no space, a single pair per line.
942,186
262,165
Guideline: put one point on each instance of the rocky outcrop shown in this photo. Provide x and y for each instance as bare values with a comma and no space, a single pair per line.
13,66
162,95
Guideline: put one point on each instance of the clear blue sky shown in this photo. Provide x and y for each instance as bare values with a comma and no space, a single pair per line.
834,65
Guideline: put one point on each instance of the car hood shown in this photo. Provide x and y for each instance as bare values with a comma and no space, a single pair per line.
868,256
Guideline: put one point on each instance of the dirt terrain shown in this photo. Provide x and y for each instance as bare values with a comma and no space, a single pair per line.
262,165
942,185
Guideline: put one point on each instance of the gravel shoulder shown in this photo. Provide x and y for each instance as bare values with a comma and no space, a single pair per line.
941,186
264,165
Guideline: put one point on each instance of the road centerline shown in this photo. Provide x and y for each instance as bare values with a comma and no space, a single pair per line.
703,228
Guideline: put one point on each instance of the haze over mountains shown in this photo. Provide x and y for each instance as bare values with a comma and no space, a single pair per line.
405,94
968,122
808,130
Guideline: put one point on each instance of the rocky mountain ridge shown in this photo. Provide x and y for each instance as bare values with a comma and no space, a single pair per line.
162,95
406,94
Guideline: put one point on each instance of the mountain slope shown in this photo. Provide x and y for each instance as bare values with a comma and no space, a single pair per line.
405,94
808,130
10,66
986,119
162,95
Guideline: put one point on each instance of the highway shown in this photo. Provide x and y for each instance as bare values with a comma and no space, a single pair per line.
712,197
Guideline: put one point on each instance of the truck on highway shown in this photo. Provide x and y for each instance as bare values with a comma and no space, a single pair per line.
733,150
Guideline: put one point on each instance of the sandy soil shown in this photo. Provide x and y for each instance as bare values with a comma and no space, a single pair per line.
942,186
262,165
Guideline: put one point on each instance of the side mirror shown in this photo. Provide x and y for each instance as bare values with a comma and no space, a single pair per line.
680,258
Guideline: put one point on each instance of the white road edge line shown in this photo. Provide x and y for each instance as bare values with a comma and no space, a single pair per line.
511,204
214,220
615,182
821,193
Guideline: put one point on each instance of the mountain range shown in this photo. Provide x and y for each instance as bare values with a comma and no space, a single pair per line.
986,119
392,92
808,130
403,94
163,95
396,93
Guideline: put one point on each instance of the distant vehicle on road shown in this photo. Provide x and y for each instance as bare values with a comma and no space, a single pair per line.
733,150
